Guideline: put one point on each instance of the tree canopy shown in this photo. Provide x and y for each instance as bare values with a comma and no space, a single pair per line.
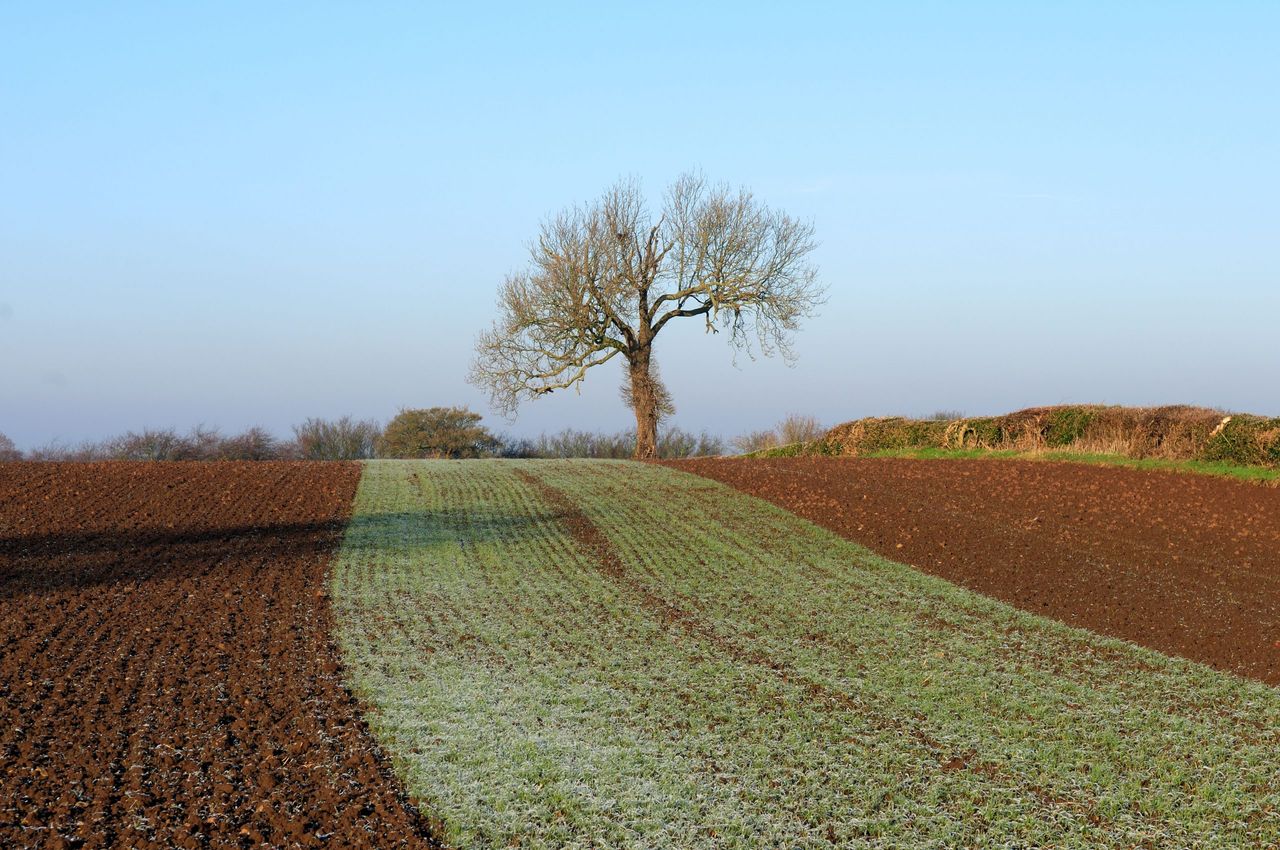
603,280
436,432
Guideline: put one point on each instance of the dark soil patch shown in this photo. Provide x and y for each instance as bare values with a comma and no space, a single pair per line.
1184,564
167,677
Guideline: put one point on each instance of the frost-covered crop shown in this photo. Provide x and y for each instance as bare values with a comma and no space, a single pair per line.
616,655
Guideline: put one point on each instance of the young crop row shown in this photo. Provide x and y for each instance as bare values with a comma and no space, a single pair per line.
614,654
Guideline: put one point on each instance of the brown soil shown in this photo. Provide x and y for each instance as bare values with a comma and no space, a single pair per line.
1185,564
166,673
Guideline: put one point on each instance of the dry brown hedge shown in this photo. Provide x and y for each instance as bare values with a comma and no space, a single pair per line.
1177,432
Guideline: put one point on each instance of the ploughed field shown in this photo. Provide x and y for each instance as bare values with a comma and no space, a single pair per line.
568,654
167,675
1186,564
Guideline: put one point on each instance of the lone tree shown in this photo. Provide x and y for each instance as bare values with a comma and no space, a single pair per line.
604,280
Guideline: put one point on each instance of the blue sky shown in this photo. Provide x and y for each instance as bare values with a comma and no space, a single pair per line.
252,213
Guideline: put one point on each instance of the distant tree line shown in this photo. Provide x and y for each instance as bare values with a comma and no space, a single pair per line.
315,439
672,443
435,432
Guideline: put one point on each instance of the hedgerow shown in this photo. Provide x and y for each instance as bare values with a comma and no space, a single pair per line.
1169,433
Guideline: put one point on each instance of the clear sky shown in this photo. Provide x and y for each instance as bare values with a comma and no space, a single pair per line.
252,213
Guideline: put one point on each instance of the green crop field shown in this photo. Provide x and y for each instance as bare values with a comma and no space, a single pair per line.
614,655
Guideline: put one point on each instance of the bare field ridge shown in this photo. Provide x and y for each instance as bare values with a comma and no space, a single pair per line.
610,654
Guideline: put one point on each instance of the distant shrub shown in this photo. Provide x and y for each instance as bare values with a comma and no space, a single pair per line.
58,451
516,447
166,444
673,442
200,443
755,441
8,451
436,432
812,448
574,443
51,451
984,432
337,439
1066,425
676,443
253,444
316,439
156,444
203,443
892,432
1245,440
795,428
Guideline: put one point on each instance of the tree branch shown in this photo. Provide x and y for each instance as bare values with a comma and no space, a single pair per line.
604,280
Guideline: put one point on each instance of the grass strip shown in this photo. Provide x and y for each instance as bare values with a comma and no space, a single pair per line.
609,654
1255,474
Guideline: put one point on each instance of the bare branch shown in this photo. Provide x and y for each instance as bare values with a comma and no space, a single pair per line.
603,280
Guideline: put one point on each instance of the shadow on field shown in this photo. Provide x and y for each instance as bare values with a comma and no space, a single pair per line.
423,530
58,561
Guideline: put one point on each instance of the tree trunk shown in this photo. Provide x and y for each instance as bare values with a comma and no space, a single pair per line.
644,399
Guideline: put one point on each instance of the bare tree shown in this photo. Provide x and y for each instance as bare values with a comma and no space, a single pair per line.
336,439
755,441
795,428
156,444
8,451
799,428
604,280
254,444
